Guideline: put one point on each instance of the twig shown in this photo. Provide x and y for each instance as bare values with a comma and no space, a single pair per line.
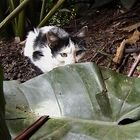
97,52
27,133
22,42
123,63
129,50
132,50
131,27
134,66
9,119
105,54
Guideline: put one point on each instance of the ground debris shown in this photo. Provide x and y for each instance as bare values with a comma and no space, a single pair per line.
120,50
137,60
15,65
119,53
131,27
134,38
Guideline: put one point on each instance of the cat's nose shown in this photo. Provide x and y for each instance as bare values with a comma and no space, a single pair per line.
74,60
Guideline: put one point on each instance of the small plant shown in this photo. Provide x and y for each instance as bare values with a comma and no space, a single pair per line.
62,17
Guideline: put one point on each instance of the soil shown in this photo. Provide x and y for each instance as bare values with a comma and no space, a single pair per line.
103,38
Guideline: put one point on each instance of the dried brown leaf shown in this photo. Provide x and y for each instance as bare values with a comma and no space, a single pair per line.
119,53
120,50
134,38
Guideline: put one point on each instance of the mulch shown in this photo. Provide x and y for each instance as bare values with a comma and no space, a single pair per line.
15,65
103,38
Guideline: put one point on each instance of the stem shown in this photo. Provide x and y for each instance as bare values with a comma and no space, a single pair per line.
42,10
52,11
134,66
27,133
21,23
14,13
14,23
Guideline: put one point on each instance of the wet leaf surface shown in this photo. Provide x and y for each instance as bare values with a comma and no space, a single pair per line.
79,104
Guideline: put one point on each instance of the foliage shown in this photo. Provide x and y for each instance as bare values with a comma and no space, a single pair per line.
28,14
14,12
4,133
62,17
83,102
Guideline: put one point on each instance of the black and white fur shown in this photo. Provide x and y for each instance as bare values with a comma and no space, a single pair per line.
50,47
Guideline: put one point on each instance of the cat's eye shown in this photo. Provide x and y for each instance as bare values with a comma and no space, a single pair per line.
63,54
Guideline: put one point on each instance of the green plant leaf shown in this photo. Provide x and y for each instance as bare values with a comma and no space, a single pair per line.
83,101
4,133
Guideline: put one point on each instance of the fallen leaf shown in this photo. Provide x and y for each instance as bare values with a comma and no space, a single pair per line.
120,50
134,38
119,53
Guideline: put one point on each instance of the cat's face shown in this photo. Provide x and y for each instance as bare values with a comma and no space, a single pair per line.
65,48
70,54
50,47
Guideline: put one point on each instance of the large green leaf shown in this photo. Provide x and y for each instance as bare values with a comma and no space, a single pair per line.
4,133
83,102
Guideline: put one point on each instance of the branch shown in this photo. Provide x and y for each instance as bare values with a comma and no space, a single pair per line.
134,66
27,133
14,13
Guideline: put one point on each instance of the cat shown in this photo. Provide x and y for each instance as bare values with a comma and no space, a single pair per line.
49,47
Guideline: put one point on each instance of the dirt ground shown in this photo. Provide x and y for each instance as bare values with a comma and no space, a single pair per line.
104,36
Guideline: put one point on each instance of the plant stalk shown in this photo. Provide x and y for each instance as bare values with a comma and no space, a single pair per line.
14,13
51,12
21,23
42,9
11,8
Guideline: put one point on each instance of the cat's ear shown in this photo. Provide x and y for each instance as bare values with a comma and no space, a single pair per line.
52,38
82,32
